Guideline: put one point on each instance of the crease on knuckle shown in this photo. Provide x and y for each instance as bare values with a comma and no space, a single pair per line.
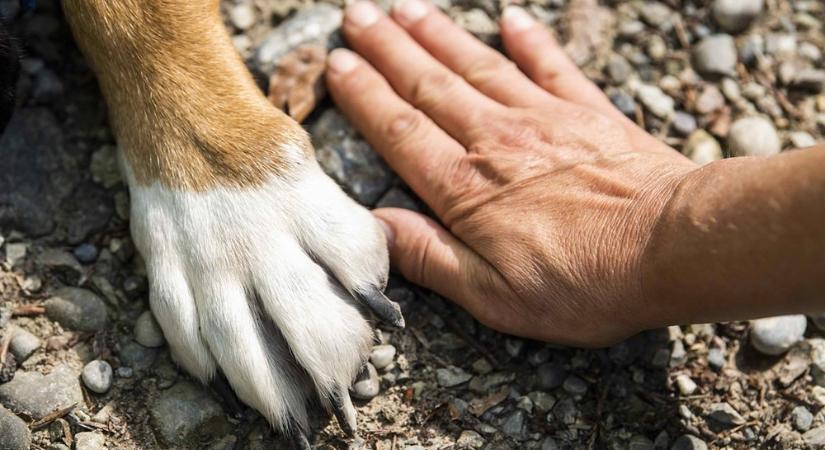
484,70
401,127
431,88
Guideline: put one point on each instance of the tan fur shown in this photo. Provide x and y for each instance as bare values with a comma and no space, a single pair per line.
183,107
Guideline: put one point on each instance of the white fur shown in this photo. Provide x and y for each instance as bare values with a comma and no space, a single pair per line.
230,268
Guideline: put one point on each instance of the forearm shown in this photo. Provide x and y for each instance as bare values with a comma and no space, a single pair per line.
742,238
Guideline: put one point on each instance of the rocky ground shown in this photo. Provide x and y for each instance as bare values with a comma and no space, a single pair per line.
84,366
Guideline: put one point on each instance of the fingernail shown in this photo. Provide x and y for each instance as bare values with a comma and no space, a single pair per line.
388,233
410,10
362,14
341,61
516,19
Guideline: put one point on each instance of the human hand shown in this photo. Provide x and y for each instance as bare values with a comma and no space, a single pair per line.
547,194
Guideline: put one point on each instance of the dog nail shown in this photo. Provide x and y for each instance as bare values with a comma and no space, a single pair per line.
344,411
386,309
362,14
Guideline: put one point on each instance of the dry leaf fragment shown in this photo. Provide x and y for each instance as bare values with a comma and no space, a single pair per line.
297,84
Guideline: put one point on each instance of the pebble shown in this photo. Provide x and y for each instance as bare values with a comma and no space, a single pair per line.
656,48
542,401
77,309
815,436
514,424
14,431
37,395
136,356
656,14
812,80
678,355
775,335
551,376
90,441
724,414
452,376
686,385
470,439
186,411
689,442
314,24
715,55
735,15
657,102
618,69
348,159
716,358
382,356
801,418
97,376
817,355
753,136
242,16
683,123
104,167
702,148
85,253
801,139
47,86
367,385
23,344
709,100
147,331
575,385
61,263
639,442
623,102
549,444
780,45
15,253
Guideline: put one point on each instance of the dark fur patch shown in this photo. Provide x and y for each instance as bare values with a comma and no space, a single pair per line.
9,71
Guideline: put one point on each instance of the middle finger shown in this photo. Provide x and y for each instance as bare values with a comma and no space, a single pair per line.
418,77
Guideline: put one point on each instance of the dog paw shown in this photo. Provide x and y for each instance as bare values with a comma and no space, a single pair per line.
268,286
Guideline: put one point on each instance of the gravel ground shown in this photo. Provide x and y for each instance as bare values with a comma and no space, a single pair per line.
86,368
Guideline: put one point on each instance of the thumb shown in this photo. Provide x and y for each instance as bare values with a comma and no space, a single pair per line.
430,256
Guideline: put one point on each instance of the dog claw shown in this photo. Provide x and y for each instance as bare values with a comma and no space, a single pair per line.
386,309
344,411
225,392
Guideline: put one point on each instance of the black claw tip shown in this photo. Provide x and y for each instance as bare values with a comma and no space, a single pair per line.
386,309
300,441
341,407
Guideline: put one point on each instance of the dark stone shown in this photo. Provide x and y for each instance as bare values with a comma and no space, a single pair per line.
88,211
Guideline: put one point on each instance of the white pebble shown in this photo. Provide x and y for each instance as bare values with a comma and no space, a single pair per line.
97,376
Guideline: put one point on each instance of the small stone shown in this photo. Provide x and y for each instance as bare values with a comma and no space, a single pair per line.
513,346
14,431
62,263
126,372
482,367
136,356
780,45
514,424
382,356
470,439
775,335
678,355
36,395
639,442
715,55
186,412
148,332
366,385
702,148
724,414
662,440
575,385
551,376
735,15
15,253
452,376
817,355
709,100
689,442
656,48
47,86
812,80
618,69
801,139
683,123
815,436
753,136
623,102
549,444
23,344
316,24
716,358
105,168
801,418
77,309
90,441
730,89
686,385
477,22
542,401
242,16
656,101
97,376
656,14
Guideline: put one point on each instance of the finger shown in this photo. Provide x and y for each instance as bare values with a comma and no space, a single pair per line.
539,55
430,256
420,152
418,77
486,69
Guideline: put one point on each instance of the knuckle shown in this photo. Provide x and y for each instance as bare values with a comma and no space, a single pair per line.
401,126
487,69
431,86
